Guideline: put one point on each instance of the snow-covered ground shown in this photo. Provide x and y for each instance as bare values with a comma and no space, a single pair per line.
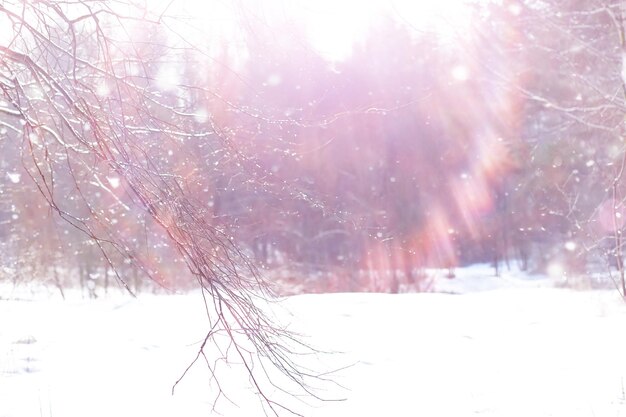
511,346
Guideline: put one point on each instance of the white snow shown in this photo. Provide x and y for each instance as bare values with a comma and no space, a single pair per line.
509,346
460,73
14,177
114,181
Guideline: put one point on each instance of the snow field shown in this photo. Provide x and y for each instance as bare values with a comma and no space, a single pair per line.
522,350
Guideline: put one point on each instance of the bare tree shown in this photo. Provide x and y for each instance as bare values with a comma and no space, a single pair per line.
84,99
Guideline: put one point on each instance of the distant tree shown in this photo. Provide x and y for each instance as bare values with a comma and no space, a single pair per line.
573,89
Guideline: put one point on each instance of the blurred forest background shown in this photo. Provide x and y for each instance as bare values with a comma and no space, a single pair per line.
501,141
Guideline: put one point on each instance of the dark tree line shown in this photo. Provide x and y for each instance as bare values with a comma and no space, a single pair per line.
416,151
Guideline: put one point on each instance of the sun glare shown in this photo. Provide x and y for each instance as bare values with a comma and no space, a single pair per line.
334,26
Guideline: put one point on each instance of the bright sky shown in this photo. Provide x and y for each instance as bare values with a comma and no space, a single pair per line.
332,26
